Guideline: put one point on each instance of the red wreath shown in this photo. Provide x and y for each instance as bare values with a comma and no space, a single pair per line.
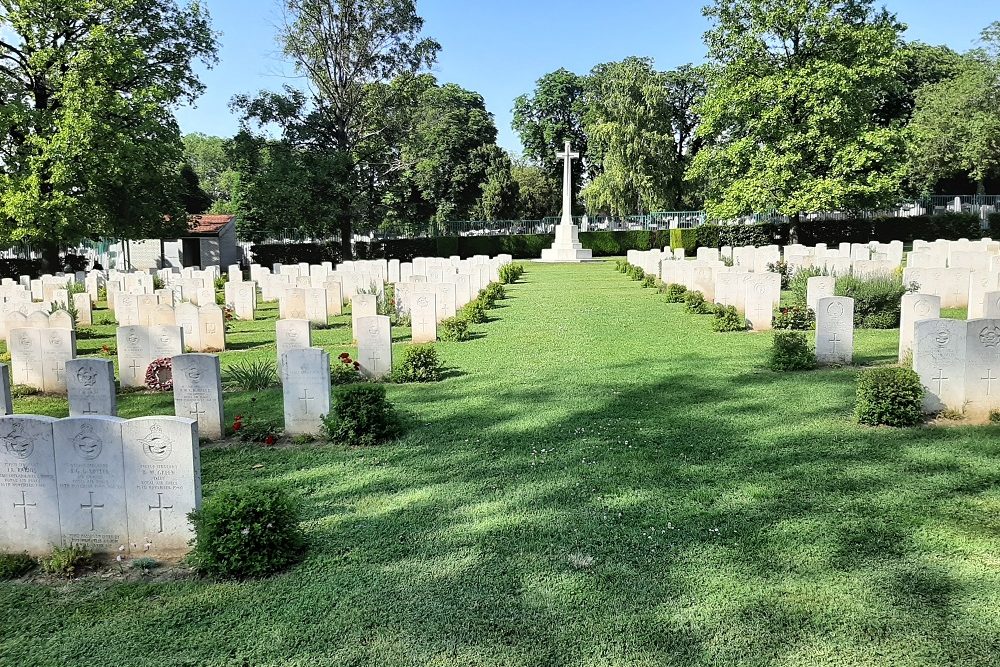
160,375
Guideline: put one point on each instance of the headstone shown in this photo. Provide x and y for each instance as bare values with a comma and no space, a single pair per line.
914,308
61,319
374,346
198,392
991,305
291,335
444,299
91,476
133,355
316,306
84,309
763,293
423,318
334,297
362,305
244,297
187,317
213,328
939,352
306,390
982,368
835,330
58,347
818,287
162,464
292,304
90,384
29,495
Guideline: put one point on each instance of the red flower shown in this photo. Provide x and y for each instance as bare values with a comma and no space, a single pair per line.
269,440
237,426
344,355
357,366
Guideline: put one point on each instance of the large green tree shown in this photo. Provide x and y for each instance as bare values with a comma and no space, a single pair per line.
346,114
790,117
538,194
549,117
89,145
955,130
207,156
630,131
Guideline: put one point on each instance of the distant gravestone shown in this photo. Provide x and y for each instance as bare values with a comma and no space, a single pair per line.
61,319
244,299
939,351
29,494
316,306
163,315
291,335
90,384
292,304
835,330
162,481
198,392
334,297
981,283
362,305
133,355
991,305
423,318
186,316
375,346
213,328
817,288
914,308
444,299
90,471
58,347
763,293
306,390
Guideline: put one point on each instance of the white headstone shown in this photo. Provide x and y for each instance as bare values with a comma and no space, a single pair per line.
982,368
90,384
306,390
914,308
198,392
939,352
291,335
818,287
374,334
29,494
835,330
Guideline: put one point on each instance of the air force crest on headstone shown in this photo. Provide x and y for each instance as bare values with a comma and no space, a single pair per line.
86,444
156,445
86,376
990,336
192,373
15,442
943,337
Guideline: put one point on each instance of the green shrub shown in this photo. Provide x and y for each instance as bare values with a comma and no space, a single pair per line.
158,283
790,351
420,364
781,268
727,318
491,294
511,273
246,531
249,374
361,415
684,238
475,312
876,300
798,284
256,429
649,281
23,390
15,565
889,396
220,282
621,266
66,561
795,318
675,292
145,565
454,329
636,273
345,370
694,303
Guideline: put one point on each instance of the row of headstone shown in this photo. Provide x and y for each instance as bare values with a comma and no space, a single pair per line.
38,357
958,362
104,483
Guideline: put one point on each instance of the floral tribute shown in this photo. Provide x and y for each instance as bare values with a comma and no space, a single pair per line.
160,375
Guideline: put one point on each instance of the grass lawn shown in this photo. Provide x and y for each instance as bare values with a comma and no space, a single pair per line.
600,481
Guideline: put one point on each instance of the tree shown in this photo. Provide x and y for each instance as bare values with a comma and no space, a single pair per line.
686,87
207,156
548,118
347,52
500,192
193,197
955,130
630,130
539,196
89,145
790,116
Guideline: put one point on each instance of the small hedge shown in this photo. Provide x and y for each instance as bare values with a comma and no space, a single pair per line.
889,396
14,565
694,303
790,351
454,329
420,364
294,253
361,415
728,319
684,238
675,292
246,531
876,300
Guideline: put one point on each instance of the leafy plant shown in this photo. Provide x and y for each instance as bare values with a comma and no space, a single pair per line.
145,565
781,268
798,285
492,293
256,429
694,303
361,416
23,390
14,565
454,329
649,281
66,561
420,364
475,312
795,318
876,299
248,374
889,396
636,273
728,319
675,292
246,531
345,370
510,273
791,351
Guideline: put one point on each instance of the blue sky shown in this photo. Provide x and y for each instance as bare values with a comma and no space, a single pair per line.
500,47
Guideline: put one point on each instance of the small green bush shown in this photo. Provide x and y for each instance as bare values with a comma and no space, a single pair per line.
510,273
66,561
876,300
420,364
781,268
795,318
246,531
889,396
475,312
675,292
636,273
361,415
250,375
23,390
345,370
621,266
491,294
727,319
798,285
15,565
649,280
791,351
694,303
454,329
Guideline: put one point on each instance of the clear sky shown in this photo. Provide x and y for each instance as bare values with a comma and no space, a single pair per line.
499,48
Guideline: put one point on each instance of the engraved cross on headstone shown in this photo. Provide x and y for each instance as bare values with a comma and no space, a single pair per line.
90,409
305,398
989,379
58,369
159,507
835,340
91,507
940,379
24,505
135,368
373,357
197,411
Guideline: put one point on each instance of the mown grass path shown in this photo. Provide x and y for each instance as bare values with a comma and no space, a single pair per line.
600,481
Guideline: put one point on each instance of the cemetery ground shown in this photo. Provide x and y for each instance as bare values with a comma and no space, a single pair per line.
600,479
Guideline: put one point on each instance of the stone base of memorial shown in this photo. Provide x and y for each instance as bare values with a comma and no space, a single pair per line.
567,247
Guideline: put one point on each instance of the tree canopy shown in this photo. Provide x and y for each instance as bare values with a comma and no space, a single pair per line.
89,145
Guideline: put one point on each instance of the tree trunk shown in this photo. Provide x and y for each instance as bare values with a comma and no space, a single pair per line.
344,224
50,258
793,228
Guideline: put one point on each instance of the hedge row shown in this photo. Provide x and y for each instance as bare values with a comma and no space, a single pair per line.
293,253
